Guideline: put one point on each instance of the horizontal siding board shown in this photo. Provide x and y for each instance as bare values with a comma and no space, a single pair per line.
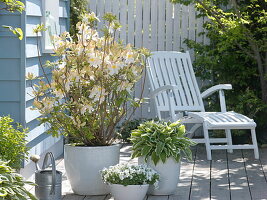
32,22
10,108
9,20
10,47
9,69
34,7
10,91
41,144
31,114
31,47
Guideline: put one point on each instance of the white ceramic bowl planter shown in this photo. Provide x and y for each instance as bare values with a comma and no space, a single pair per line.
129,192
169,173
83,165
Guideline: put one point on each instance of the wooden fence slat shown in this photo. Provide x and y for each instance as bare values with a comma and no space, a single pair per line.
177,28
161,24
146,24
199,23
184,26
130,22
108,5
92,5
100,12
123,20
115,11
192,22
154,25
138,24
206,40
169,26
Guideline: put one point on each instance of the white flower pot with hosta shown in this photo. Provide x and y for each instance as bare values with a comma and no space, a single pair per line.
129,182
169,176
161,145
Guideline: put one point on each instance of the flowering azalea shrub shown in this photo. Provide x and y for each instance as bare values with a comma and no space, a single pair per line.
126,174
91,83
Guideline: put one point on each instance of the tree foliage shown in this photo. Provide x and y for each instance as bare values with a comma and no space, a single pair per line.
77,9
12,142
237,52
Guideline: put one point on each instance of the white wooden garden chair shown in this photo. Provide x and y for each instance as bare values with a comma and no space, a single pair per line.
175,90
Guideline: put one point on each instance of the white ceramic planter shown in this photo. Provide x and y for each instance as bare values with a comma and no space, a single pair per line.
83,165
129,192
169,173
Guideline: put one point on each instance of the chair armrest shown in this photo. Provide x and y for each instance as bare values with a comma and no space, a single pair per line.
215,88
161,89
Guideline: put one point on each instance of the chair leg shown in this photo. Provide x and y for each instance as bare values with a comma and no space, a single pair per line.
229,139
255,144
207,142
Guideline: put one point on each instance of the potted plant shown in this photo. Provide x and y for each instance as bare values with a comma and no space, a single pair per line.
129,181
86,98
12,185
161,145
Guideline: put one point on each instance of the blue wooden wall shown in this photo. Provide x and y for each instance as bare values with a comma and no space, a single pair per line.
17,58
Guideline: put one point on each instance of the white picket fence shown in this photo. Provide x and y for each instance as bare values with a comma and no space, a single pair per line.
155,24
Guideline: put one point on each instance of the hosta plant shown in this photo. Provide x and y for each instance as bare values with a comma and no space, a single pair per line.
12,185
92,82
126,174
161,140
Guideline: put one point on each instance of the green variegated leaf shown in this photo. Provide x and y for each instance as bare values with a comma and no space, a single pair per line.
146,150
159,147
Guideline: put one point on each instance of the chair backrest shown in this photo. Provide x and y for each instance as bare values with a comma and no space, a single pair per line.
174,68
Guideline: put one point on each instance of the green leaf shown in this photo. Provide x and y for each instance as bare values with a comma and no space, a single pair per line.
146,150
3,192
163,156
159,147
155,158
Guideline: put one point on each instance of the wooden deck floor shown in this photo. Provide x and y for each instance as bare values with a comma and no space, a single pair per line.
236,176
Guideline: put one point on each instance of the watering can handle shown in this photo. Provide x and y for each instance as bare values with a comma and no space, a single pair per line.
53,170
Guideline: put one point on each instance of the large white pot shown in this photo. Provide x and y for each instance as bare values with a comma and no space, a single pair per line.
83,164
169,173
129,192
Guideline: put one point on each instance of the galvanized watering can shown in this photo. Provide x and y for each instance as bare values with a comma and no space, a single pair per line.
48,182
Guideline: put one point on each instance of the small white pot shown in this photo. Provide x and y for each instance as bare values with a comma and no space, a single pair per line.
169,173
129,192
83,165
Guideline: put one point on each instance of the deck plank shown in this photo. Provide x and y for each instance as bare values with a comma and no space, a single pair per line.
101,197
185,180
109,197
255,174
263,161
73,197
237,175
200,188
219,176
161,197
